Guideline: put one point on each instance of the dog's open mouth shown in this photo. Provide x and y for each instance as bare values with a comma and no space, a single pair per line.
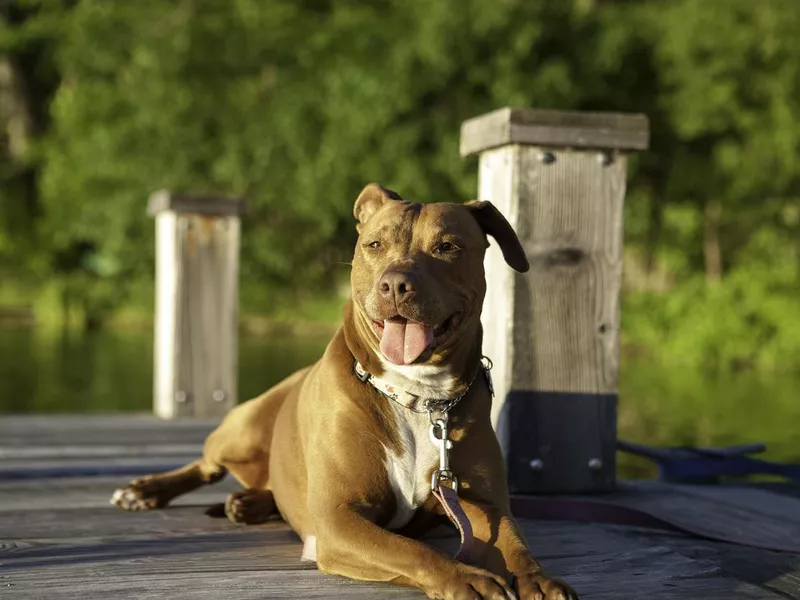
404,341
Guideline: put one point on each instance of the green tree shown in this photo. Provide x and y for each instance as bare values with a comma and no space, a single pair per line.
296,104
29,34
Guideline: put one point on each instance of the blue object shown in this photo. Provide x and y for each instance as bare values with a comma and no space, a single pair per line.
709,464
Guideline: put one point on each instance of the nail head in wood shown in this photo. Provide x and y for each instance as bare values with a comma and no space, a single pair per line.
536,464
554,128
547,158
605,158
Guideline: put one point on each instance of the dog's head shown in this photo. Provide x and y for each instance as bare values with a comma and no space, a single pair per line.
418,278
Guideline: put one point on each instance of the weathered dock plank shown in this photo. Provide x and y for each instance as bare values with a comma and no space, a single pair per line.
775,571
757,517
59,537
136,430
180,552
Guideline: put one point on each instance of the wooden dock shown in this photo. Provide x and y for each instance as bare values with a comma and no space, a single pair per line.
60,537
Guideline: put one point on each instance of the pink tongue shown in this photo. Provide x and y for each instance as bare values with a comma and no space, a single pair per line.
404,341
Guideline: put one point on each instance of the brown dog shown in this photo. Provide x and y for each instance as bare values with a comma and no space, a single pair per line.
347,460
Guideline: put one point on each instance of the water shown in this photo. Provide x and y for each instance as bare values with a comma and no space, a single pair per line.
46,371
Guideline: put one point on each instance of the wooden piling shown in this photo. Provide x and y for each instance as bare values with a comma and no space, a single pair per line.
197,266
553,333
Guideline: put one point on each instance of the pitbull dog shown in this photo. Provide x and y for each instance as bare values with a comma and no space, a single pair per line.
342,450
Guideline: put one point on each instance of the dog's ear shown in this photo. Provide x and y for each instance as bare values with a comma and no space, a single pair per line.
371,198
494,224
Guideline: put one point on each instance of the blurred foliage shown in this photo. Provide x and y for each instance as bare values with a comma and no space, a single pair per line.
295,104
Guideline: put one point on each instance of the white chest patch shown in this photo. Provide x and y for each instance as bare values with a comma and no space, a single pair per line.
409,471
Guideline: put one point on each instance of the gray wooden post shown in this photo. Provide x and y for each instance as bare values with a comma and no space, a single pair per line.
197,267
553,333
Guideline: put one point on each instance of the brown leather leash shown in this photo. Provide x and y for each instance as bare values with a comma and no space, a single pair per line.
448,498
444,487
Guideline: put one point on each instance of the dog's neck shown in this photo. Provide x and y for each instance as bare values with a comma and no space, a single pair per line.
423,381
446,379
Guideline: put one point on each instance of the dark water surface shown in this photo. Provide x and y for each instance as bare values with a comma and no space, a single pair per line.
44,370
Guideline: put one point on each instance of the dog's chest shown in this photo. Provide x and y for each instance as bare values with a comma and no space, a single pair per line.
410,469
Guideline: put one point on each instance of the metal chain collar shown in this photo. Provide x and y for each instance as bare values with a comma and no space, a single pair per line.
429,405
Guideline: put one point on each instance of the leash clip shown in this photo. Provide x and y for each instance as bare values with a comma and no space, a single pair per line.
443,473
440,476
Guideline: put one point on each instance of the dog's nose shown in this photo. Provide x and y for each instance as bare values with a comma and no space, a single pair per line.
395,284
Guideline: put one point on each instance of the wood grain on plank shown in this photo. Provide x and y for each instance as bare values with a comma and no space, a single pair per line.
127,429
197,266
100,550
164,200
567,309
713,515
758,501
60,538
569,129
555,328
624,569
776,571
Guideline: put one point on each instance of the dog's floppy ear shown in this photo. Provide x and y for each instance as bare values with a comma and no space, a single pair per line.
371,198
494,224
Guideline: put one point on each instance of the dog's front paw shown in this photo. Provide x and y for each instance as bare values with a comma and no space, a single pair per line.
535,585
250,507
471,583
140,494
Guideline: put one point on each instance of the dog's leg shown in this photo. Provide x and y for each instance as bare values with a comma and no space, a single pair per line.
350,545
250,507
156,491
500,547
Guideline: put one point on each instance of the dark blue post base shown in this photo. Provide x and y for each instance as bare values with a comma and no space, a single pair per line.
557,442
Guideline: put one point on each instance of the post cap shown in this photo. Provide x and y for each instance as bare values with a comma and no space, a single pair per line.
555,128
204,204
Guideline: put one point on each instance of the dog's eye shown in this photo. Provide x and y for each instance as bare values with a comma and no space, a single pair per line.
374,245
445,247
